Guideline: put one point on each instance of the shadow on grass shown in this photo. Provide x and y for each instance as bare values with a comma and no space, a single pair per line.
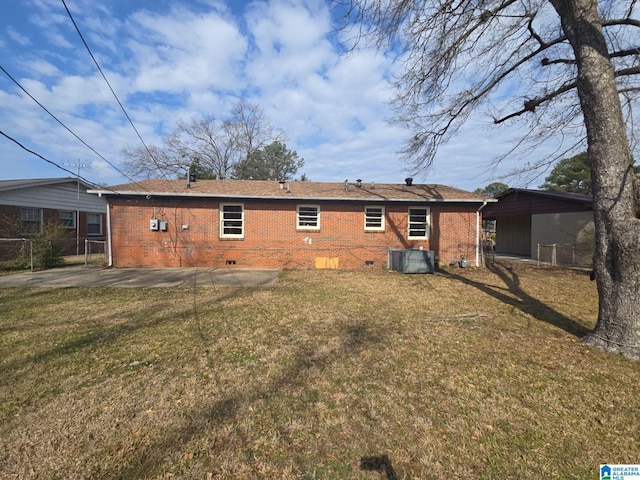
381,464
154,315
520,299
147,462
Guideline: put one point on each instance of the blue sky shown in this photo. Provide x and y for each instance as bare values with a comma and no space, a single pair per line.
175,59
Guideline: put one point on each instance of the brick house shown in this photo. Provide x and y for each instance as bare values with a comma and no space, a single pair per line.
266,224
27,206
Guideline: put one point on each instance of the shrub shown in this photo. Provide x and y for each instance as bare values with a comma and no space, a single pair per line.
48,248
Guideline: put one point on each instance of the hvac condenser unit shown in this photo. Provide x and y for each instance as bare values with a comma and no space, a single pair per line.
411,261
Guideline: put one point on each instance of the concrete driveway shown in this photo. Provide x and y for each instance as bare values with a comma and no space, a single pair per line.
79,276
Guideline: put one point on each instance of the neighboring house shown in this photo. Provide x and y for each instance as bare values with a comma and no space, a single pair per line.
27,206
250,223
528,218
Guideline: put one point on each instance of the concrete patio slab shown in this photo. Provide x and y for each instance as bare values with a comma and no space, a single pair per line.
79,276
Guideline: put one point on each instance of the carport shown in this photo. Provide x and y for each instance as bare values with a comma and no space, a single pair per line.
525,218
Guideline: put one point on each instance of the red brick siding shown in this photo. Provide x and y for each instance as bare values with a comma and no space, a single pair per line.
271,239
454,231
10,227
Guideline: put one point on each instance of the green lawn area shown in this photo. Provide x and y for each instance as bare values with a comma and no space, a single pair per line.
475,373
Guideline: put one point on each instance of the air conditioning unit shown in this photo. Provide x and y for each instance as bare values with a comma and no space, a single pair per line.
411,260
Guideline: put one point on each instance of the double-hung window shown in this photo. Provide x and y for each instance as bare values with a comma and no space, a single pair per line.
308,217
231,220
374,218
94,224
67,219
418,223
31,221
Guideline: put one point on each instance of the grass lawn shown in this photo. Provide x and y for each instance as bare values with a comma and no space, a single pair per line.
329,374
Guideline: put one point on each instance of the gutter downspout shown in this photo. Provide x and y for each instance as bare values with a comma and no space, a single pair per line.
110,251
478,226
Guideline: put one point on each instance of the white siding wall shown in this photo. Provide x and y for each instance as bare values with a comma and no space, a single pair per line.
62,196
560,228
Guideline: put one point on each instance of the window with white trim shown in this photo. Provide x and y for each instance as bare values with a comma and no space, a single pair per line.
30,221
308,217
94,224
418,223
67,218
374,218
231,220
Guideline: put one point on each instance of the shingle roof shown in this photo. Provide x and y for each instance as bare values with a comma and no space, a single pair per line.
260,189
568,196
36,182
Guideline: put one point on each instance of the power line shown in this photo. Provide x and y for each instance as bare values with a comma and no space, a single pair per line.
78,176
9,137
114,93
63,125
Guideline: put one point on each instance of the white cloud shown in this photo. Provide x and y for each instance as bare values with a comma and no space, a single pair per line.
17,37
185,51
43,68
289,44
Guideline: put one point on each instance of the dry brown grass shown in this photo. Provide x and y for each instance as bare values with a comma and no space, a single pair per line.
329,374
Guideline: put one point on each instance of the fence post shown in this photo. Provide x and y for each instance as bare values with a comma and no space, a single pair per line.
538,254
553,255
86,254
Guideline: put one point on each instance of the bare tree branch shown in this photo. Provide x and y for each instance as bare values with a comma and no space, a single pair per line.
211,146
621,21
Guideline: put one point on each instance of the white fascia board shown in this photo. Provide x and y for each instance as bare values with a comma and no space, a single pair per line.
289,197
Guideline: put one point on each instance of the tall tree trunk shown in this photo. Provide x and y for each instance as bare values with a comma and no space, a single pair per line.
617,255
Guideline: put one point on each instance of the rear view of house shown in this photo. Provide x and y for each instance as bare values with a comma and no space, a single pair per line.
254,224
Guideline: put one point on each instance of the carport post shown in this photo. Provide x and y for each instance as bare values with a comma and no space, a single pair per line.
478,228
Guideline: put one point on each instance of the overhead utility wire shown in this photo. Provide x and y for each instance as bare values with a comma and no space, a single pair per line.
65,127
113,92
46,159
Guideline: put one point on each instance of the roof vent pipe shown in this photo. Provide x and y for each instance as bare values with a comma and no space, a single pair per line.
359,183
346,185
408,181
282,183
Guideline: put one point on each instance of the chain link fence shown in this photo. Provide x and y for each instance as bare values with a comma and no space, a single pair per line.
18,253
566,255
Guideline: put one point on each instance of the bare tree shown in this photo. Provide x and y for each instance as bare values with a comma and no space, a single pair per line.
209,146
252,129
141,162
572,65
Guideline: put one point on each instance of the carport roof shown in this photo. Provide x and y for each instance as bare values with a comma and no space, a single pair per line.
521,201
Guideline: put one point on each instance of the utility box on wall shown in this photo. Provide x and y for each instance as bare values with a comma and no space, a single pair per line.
411,261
